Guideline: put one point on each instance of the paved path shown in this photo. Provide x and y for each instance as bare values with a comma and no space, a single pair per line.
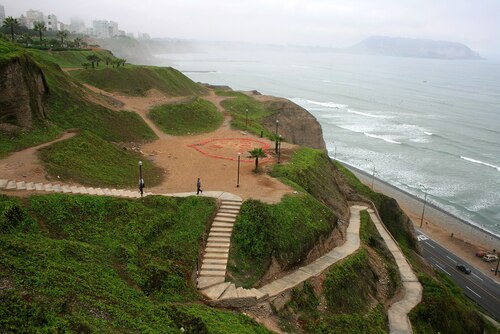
399,323
211,279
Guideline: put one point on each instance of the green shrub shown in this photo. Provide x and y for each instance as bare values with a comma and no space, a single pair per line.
194,117
88,159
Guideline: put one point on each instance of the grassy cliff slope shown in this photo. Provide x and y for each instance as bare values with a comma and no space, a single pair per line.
98,264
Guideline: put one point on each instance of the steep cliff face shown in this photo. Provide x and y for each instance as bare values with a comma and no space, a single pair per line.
23,93
296,124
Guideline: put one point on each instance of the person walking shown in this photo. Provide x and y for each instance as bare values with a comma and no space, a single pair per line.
198,187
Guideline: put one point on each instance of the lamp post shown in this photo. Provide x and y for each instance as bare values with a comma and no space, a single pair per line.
141,181
238,175
246,118
279,149
423,211
276,135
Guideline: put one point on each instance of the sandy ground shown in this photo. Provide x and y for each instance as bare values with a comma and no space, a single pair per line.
439,226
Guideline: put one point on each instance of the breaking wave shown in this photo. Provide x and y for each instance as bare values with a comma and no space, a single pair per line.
480,162
382,137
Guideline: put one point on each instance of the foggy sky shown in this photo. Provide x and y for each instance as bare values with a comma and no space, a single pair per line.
329,23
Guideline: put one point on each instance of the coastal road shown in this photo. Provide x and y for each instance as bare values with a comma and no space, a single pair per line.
477,286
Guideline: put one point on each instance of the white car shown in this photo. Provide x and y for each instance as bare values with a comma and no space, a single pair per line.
490,258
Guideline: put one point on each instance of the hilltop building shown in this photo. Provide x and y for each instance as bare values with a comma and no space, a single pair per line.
104,29
77,25
33,16
2,13
51,23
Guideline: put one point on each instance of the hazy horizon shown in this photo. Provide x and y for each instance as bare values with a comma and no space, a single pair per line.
289,22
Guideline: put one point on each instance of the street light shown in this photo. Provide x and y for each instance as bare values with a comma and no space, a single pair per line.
276,135
279,149
141,180
246,118
423,211
238,175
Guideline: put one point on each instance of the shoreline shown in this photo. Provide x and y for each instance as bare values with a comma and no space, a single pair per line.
439,225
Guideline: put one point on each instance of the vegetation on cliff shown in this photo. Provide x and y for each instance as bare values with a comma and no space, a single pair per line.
99,264
138,80
192,117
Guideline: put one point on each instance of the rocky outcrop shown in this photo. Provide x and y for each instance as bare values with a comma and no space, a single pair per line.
23,93
296,125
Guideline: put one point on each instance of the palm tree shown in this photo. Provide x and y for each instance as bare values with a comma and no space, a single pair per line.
78,41
40,27
62,35
10,22
108,60
85,65
93,58
257,153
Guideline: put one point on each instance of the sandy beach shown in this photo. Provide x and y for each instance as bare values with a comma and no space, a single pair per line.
439,225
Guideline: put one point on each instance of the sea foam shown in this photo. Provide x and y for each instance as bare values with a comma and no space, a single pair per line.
480,162
382,137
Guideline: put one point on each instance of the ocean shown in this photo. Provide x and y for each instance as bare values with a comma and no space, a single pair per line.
426,126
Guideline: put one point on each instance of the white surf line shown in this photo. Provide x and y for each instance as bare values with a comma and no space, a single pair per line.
437,265
472,291
451,259
477,276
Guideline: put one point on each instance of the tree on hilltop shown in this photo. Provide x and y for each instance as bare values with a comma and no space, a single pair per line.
257,153
10,22
62,35
78,41
26,39
40,28
93,58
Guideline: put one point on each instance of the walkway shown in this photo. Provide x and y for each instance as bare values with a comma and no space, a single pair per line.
211,278
399,323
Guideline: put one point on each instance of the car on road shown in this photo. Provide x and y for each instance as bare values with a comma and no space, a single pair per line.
490,258
463,269
480,253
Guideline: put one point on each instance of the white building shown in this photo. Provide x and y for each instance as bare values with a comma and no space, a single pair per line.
77,26
51,23
113,29
2,13
101,28
33,16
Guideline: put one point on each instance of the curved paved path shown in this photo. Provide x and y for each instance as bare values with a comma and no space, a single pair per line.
211,278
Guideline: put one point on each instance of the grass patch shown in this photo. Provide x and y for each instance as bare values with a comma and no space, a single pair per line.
195,117
88,159
238,104
99,264
138,80
285,231
70,58
17,141
314,172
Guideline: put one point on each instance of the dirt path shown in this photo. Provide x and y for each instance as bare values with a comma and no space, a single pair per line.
25,164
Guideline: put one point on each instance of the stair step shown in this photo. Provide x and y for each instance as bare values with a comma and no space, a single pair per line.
230,207
47,187
99,192
227,214
222,229
231,201
217,244
213,267
229,293
221,224
217,250
56,188
215,261
30,186
224,219
206,282
219,235
216,291
11,185
21,185
218,240
91,191
230,211
259,295
216,255
66,189
39,187
213,273
3,183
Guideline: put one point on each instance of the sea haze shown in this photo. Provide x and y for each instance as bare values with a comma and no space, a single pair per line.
425,125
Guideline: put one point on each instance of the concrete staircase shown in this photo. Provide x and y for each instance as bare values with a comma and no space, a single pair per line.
211,280
14,185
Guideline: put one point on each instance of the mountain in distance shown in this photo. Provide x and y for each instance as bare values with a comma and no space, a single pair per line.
410,47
